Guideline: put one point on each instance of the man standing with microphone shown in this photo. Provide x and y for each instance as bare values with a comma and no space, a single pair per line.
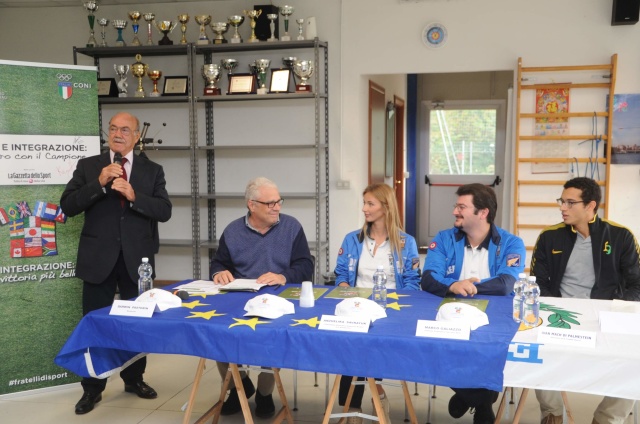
123,196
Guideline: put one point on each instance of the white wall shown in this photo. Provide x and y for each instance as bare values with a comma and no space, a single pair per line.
375,37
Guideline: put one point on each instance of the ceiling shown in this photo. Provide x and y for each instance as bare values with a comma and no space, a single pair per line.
67,3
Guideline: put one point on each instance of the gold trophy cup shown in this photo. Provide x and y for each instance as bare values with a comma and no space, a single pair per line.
134,15
183,19
253,15
203,21
154,75
139,70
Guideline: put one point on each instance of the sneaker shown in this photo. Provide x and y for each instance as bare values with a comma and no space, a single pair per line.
355,420
457,406
552,419
264,406
484,414
232,404
385,408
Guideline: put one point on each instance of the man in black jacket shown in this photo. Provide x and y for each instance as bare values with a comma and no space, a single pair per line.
122,202
591,258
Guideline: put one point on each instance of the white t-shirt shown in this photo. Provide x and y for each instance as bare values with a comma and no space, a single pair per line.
368,263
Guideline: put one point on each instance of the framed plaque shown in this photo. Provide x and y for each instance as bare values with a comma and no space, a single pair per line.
280,80
242,84
176,86
107,87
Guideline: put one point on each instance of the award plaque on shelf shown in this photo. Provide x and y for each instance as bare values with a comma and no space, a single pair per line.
242,84
107,87
280,80
176,86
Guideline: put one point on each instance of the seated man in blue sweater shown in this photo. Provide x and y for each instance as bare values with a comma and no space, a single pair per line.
474,257
267,246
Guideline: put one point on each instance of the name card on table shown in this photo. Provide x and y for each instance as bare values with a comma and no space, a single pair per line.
352,324
565,337
131,308
619,322
443,330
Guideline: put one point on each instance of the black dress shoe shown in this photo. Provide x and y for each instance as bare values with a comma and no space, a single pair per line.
264,406
87,402
141,389
457,406
484,414
232,404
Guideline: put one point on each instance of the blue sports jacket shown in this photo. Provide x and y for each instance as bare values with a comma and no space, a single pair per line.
446,254
408,277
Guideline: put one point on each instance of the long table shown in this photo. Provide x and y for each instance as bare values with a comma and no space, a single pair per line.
215,327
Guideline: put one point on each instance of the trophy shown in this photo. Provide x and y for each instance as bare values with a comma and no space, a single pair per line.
219,28
149,18
203,20
104,23
211,73
119,24
303,69
134,15
288,63
261,66
165,28
154,75
300,22
272,26
253,15
229,65
183,19
122,71
286,11
91,7
235,21
139,70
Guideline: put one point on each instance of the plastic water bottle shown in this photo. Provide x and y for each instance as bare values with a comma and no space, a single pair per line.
145,282
531,303
518,289
379,294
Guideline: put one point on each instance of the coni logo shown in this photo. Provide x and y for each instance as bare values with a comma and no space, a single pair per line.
524,352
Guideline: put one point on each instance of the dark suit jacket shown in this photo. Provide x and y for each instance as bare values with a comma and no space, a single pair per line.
108,227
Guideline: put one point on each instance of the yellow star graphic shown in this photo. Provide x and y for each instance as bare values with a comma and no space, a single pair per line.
396,306
311,322
193,304
396,296
248,322
205,315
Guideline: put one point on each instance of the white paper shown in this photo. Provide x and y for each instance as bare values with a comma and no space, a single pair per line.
131,308
566,337
349,324
200,287
443,330
242,284
619,322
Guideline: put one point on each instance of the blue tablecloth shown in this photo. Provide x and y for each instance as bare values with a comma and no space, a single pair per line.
102,343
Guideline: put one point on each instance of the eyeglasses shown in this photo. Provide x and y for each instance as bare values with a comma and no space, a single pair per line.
270,205
569,203
125,131
460,206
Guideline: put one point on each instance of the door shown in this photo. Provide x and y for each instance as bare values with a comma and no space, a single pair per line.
462,142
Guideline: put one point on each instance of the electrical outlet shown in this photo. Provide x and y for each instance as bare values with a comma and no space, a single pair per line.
343,184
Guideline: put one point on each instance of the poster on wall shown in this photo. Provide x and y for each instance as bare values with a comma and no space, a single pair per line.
48,121
625,143
551,101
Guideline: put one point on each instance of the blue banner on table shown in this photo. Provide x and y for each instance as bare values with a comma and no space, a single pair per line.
48,121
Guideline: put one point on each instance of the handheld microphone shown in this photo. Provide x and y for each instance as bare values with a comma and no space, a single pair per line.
182,294
117,158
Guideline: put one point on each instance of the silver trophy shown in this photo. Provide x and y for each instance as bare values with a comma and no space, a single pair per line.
203,21
119,24
235,21
219,28
288,62
122,71
211,73
91,6
303,69
261,66
300,23
104,23
286,11
272,26
149,18
229,65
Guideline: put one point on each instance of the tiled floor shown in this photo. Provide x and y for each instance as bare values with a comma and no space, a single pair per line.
171,376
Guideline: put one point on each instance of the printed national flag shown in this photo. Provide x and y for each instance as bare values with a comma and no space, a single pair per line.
49,249
4,218
46,240
17,248
32,222
60,216
45,210
33,252
48,227
65,89
33,242
12,212
16,228
23,209
33,233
